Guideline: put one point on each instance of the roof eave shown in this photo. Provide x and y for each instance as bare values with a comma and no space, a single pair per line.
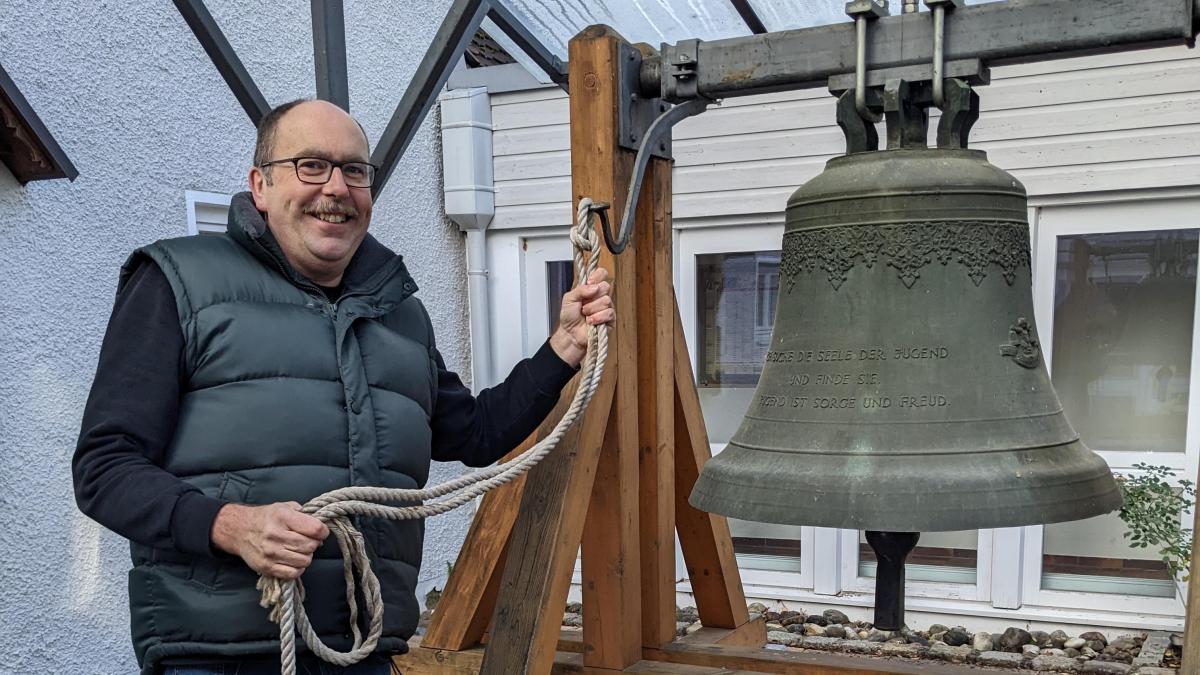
26,146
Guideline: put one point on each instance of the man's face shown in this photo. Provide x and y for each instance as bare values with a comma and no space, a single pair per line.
319,227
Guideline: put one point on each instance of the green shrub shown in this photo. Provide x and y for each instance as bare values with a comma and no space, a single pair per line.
1153,512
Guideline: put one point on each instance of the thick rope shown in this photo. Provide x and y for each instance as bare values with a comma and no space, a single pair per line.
285,598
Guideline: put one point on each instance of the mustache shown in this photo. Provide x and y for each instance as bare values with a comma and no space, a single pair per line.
331,208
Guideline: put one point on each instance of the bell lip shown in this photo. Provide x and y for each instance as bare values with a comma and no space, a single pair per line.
1090,491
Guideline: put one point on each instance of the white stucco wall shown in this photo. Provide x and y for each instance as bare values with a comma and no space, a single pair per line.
138,107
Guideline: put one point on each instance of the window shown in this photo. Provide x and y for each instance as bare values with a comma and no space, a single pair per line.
950,557
736,296
1119,281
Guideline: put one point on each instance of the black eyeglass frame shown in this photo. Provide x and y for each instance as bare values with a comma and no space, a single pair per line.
295,162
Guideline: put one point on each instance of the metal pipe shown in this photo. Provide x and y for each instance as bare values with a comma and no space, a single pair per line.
478,305
1032,30
860,70
939,55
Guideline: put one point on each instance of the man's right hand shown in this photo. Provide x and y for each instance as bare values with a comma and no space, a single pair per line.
276,539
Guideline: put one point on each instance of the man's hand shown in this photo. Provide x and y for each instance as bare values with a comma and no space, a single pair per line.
586,305
276,539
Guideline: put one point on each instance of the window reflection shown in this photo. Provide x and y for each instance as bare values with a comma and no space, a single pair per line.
737,295
1124,306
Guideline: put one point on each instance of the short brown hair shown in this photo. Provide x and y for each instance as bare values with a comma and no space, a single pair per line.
264,147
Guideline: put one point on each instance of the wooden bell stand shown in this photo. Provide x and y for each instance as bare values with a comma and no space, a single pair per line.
618,483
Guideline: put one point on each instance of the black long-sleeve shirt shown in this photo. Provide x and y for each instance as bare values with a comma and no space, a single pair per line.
131,413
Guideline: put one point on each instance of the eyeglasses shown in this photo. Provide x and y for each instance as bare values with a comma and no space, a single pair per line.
318,171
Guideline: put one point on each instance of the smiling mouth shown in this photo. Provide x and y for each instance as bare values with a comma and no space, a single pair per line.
335,218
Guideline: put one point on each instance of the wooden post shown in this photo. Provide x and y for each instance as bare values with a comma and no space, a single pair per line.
656,390
1191,621
601,170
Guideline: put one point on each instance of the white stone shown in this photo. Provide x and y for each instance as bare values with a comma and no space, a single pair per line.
1000,659
782,637
1106,668
1074,643
1054,664
1030,651
982,642
945,652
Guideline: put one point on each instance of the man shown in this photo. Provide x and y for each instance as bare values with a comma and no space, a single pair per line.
243,374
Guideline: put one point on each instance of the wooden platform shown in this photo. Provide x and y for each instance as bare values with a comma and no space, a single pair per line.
709,651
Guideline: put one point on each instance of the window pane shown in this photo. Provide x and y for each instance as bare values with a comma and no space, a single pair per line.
560,276
948,557
1092,556
1124,306
736,296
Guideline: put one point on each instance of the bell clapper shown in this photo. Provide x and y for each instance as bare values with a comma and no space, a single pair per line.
891,550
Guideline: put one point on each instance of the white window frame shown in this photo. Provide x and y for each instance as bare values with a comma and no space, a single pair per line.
1136,211
749,238
207,212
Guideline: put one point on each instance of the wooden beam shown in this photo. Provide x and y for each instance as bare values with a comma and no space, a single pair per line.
704,537
787,662
601,169
692,659
469,598
545,539
1191,622
610,555
656,418
753,633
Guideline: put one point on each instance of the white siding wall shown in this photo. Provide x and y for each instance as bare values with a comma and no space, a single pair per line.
1113,122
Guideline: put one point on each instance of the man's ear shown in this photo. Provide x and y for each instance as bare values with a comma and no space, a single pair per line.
258,182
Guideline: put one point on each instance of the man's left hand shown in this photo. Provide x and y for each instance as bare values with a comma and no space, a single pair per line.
587,305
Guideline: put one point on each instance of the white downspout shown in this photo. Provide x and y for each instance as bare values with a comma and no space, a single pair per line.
470,196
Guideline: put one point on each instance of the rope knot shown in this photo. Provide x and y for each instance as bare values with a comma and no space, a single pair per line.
583,235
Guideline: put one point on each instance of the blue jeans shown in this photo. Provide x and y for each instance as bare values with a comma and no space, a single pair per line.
268,668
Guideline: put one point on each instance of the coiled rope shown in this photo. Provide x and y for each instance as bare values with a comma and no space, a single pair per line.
285,598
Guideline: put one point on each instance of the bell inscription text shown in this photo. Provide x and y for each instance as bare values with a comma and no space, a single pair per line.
856,381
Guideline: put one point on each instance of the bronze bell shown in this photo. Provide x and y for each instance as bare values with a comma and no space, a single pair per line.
904,389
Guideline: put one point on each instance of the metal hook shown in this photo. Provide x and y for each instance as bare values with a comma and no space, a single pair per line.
660,127
601,209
